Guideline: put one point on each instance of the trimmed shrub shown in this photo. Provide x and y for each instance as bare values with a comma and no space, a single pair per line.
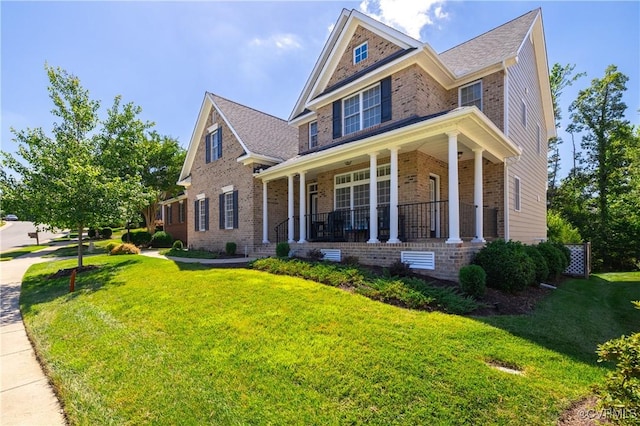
283,249
315,254
125,249
542,269
92,233
177,245
555,258
230,248
106,232
111,246
138,238
161,239
473,280
507,265
399,269
565,252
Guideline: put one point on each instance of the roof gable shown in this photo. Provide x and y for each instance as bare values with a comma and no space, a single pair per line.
260,134
489,48
350,27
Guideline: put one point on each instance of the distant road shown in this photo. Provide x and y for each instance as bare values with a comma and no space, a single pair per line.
14,234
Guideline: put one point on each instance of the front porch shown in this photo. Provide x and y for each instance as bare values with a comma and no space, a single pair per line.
416,222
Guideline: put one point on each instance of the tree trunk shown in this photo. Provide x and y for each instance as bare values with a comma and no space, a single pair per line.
150,218
80,230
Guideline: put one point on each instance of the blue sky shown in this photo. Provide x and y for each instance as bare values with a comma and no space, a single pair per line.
163,56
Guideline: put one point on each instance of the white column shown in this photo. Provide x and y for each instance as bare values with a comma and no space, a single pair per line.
303,208
393,198
454,197
290,211
477,194
373,198
265,214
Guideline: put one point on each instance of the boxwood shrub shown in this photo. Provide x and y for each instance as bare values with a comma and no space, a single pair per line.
542,269
473,280
556,259
230,248
106,232
138,238
283,249
161,239
507,265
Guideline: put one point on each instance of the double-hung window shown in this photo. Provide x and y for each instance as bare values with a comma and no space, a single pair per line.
201,213
229,209
362,110
471,94
168,214
181,207
213,143
313,134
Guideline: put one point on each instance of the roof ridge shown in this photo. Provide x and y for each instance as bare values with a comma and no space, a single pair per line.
487,32
248,107
386,25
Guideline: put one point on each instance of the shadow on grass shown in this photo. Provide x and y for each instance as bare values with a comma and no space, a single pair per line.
73,251
39,288
577,317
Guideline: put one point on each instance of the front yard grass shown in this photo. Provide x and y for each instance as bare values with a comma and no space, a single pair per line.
12,254
145,340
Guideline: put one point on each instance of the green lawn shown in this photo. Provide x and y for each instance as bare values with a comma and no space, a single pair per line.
12,254
146,340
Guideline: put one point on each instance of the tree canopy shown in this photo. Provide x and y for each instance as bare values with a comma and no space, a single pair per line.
87,171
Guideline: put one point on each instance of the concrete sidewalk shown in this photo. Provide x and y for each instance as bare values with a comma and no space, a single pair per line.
26,398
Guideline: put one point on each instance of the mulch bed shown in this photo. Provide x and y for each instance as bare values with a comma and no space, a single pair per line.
67,272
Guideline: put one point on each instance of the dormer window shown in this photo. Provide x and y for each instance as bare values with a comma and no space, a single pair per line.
471,94
313,134
360,53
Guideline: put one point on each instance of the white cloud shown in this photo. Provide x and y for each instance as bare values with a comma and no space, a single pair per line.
278,41
408,16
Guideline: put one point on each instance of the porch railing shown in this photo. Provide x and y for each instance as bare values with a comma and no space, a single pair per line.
416,221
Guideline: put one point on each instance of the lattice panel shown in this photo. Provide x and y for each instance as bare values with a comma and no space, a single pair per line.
579,260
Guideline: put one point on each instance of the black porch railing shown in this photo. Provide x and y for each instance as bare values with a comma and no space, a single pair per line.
416,221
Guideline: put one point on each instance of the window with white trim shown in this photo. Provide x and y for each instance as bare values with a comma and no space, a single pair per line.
517,195
181,211
228,210
313,134
202,226
362,110
539,145
352,189
471,94
360,53
168,214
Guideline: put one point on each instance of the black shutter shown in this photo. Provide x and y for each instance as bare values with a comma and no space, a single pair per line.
337,119
196,205
219,136
207,143
235,209
206,214
385,99
221,211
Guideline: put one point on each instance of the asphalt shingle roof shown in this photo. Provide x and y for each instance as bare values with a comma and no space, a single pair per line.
261,133
489,48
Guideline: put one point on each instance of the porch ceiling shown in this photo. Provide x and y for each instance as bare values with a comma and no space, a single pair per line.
474,130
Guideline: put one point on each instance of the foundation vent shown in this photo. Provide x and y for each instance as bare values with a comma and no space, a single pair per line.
419,259
333,255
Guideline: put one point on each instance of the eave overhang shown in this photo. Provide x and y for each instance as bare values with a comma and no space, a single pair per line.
474,128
